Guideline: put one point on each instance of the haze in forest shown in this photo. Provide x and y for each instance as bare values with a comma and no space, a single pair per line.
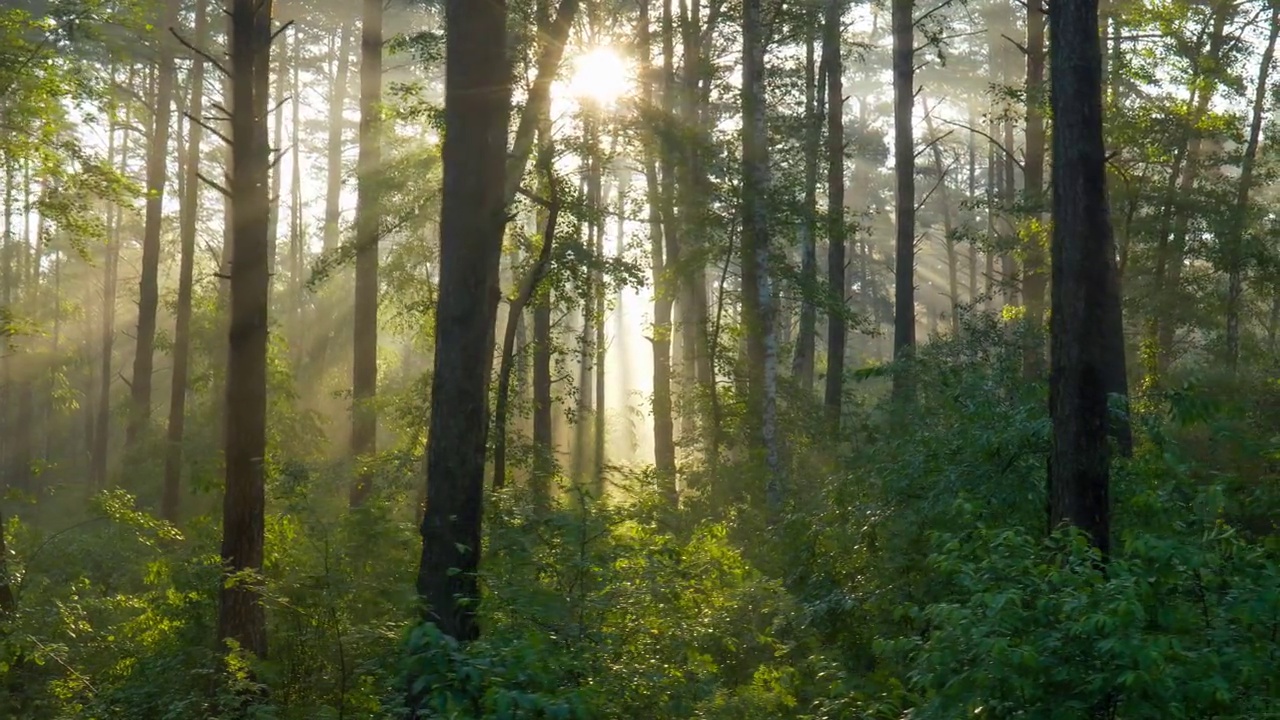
811,359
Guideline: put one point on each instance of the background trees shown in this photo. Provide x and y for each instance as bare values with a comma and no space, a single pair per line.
306,227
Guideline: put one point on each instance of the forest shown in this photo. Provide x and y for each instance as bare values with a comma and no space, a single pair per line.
660,359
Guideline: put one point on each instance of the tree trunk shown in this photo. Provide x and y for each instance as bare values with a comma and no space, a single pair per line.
1235,242
528,287
241,616
169,501
802,365
757,296
477,107
277,151
337,128
149,282
364,364
836,326
1033,270
904,315
1085,295
664,446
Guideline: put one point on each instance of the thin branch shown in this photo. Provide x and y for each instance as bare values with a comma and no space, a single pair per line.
283,27
940,6
216,186
929,145
990,139
208,128
211,59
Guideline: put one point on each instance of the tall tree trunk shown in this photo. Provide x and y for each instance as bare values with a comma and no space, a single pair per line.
149,281
297,265
836,327
107,327
1033,270
477,108
364,365
241,616
948,222
277,154
904,315
757,297
524,293
1085,294
337,129
595,195
169,502
664,445
802,365
1235,242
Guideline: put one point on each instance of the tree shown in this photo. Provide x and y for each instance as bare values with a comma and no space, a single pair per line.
836,323
1085,293
186,277
477,108
757,295
364,366
149,284
904,160
241,616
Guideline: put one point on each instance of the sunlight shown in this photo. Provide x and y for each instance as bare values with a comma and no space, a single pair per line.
599,76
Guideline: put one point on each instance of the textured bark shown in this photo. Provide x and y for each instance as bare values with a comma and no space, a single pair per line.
149,281
1236,239
364,362
1033,271
337,126
107,326
277,147
664,445
477,106
757,296
904,314
806,336
836,327
169,502
1085,294
241,616
528,287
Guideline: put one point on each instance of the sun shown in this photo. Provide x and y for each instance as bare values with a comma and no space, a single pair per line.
599,76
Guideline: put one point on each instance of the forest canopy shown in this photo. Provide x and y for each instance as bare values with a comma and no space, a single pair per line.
715,359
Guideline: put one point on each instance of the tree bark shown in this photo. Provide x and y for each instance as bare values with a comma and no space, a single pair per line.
241,617
802,365
1236,240
170,499
757,296
836,326
904,315
1085,294
364,362
1033,270
337,128
477,108
149,282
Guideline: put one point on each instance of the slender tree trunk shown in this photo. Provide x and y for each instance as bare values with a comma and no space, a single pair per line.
364,365
595,193
1235,242
904,316
477,108
1085,294
802,365
836,326
107,329
664,446
149,282
757,296
948,222
169,502
297,266
1033,271
241,616
277,151
337,129
524,293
